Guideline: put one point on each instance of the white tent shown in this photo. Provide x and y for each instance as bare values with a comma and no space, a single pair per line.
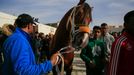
9,19
45,28
6,19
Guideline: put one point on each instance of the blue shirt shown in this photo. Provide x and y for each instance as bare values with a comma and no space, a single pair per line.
19,58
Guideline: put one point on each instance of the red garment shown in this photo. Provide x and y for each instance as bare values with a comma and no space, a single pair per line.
122,56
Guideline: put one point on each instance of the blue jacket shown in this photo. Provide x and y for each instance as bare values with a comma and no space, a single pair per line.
19,58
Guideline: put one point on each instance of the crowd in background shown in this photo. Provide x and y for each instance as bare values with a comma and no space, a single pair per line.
18,50
110,54
41,46
96,54
41,41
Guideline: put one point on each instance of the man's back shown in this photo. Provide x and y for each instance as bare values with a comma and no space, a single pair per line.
12,52
19,58
122,58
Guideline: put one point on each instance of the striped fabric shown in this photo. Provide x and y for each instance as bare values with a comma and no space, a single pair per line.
115,56
122,56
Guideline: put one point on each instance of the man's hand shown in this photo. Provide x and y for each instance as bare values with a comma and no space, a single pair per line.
54,59
92,64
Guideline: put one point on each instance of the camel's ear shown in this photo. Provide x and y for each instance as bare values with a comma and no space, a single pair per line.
81,2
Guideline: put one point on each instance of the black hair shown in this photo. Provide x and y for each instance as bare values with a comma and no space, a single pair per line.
104,24
128,17
129,23
97,27
36,32
11,27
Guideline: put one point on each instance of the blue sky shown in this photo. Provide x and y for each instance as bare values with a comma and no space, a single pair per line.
48,11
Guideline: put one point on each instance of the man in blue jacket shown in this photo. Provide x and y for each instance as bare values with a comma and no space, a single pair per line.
19,58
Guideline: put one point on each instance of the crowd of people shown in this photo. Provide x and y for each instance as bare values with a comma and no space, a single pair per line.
110,54
41,46
18,49
97,53
106,54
